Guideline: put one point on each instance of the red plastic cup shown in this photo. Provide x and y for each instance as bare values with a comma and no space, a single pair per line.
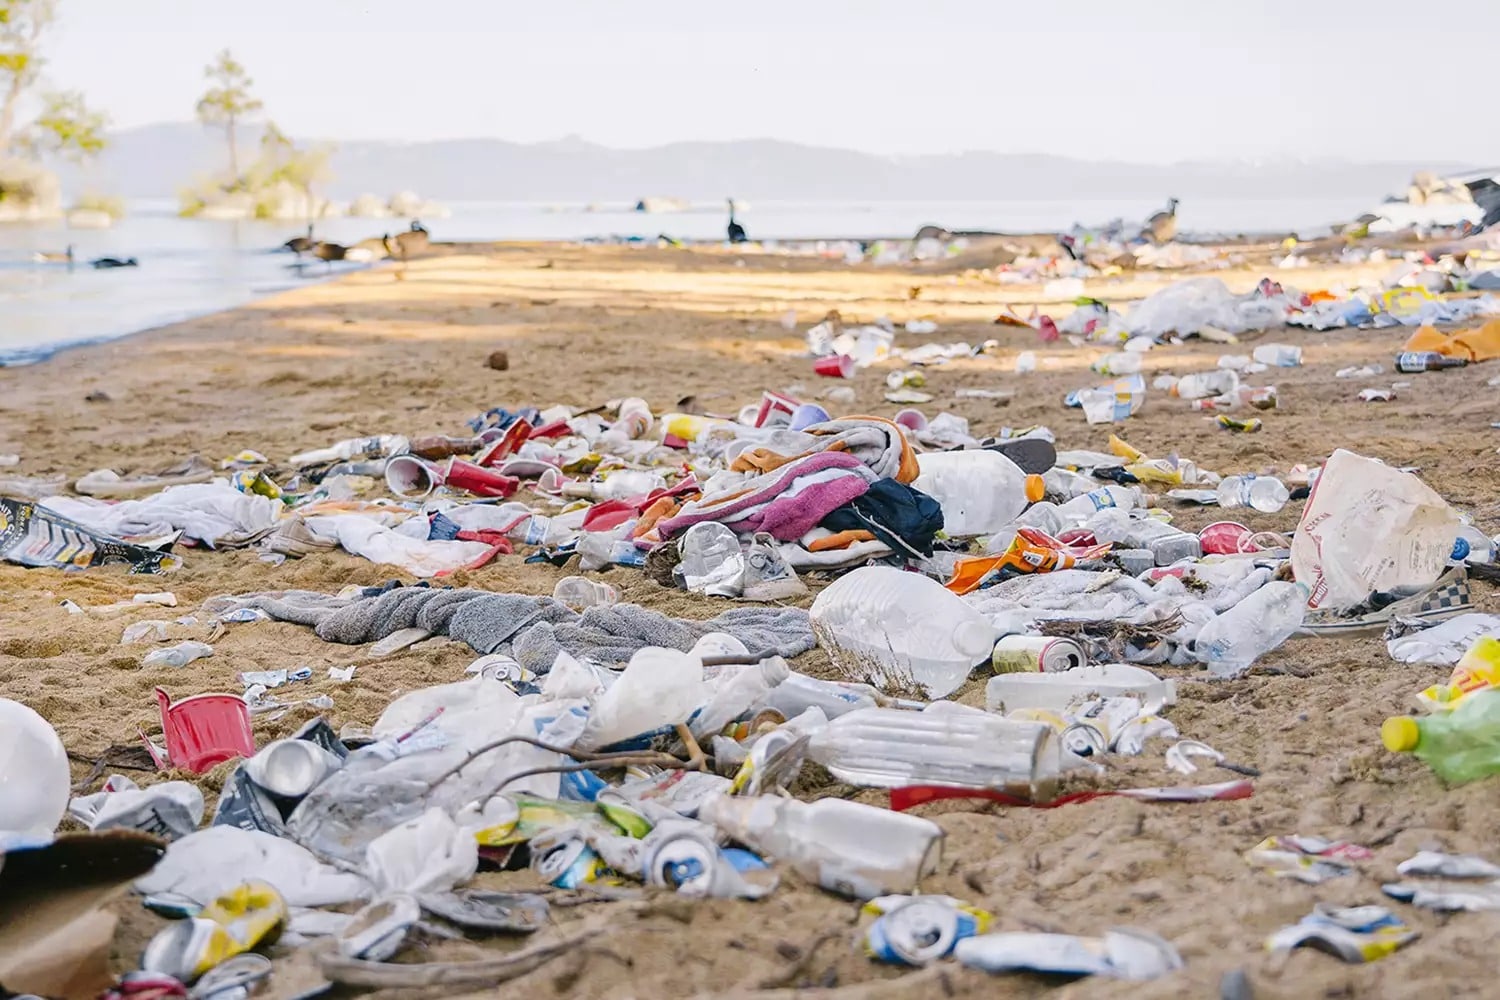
505,445
772,403
478,480
205,730
1223,538
835,366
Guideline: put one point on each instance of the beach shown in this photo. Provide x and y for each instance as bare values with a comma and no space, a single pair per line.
403,351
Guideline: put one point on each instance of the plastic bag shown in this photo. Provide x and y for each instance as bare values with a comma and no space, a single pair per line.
1368,527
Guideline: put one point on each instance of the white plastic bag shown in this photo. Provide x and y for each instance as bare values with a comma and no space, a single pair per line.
427,854
1445,644
1368,527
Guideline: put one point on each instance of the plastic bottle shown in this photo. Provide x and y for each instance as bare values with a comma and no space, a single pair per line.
1056,691
179,655
1119,363
1426,361
618,485
736,692
1166,543
1263,493
600,549
660,687
578,593
881,624
1278,355
1460,745
980,491
965,748
800,692
1080,509
1258,624
846,847
1203,384
712,561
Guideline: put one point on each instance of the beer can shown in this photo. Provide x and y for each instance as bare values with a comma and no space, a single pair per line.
921,931
1016,654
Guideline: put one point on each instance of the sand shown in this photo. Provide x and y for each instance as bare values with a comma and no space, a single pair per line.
381,351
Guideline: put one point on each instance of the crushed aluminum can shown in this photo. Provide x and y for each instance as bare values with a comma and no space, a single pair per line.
565,860
1306,859
251,914
1228,423
1448,865
377,932
682,855
1447,895
908,378
1124,953
915,930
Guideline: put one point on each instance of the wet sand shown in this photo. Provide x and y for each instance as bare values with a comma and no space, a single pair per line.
382,352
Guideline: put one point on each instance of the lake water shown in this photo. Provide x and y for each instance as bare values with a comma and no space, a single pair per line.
188,268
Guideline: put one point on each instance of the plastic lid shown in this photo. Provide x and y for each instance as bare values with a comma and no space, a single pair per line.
1036,488
1400,733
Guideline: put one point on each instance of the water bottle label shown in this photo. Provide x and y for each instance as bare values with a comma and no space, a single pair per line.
1101,499
536,529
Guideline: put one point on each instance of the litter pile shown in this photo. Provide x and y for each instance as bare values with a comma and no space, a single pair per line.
605,750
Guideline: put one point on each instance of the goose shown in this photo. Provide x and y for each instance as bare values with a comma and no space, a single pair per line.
109,263
300,245
1162,226
329,252
736,231
54,258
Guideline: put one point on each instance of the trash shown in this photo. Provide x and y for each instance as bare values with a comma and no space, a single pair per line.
1376,395
1278,355
290,768
682,855
1057,691
179,655
1437,863
1036,653
1307,859
34,776
1368,528
956,747
835,366
1263,493
1441,644
1265,619
377,932
1447,896
251,914
168,810
213,861
202,731
1426,361
1460,745
1353,934
891,628
1206,384
32,535
492,912
1477,670
916,930
1228,423
1123,954
424,855
1359,371
848,848
980,491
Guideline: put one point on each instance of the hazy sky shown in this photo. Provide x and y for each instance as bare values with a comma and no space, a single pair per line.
1148,80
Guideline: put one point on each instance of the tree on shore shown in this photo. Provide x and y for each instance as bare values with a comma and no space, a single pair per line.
67,127
228,101
22,25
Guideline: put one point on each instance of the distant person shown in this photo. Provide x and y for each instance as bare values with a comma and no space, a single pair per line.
736,231
1162,227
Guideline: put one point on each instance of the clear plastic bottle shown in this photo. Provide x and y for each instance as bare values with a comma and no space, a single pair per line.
578,592
1266,494
599,549
846,847
1203,384
1258,624
1080,509
618,485
800,692
881,624
964,748
735,693
1460,745
1056,691
980,491
1278,355
712,561
1166,543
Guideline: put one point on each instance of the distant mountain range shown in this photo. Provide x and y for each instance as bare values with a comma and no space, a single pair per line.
155,160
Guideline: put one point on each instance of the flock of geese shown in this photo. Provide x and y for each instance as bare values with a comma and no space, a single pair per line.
400,247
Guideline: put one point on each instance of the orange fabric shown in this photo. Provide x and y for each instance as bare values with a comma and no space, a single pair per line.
840,540
761,460
662,508
1479,344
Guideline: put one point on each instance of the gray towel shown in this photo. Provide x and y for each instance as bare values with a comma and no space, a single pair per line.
532,629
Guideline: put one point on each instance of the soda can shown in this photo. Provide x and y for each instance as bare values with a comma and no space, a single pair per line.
566,861
1017,654
682,855
921,931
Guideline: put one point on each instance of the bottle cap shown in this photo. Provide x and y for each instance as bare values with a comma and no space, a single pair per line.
1400,733
1036,488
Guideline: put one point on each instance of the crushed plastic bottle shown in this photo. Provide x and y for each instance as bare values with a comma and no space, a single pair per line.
1230,643
1266,494
800,692
979,490
1278,355
883,625
712,561
1080,509
1119,363
179,655
579,592
1202,384
599,549
1461,745
855,850
953,746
